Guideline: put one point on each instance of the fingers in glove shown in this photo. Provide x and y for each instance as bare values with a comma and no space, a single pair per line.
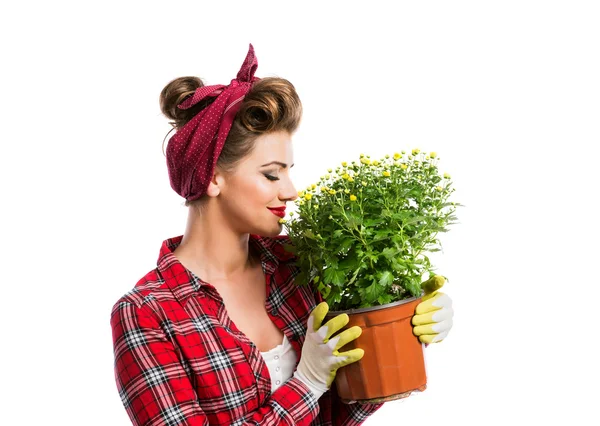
440,300
348,357
333,326
433,316
435,328
433,284
433,338
317,316
344,337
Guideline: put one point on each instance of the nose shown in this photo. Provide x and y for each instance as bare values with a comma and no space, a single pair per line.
288,191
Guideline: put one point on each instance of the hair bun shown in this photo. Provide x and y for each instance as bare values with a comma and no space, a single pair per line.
174,93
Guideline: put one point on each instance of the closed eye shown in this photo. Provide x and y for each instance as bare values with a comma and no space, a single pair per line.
271,177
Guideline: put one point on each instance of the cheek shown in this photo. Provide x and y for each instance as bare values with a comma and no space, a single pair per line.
259,192
265,192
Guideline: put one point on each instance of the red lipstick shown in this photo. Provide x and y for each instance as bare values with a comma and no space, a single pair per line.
278,211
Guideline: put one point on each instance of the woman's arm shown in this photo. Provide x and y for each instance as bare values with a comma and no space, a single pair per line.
156,390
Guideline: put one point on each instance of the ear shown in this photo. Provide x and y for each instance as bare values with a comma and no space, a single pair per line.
216,184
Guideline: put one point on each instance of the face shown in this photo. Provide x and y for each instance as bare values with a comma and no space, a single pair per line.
260,181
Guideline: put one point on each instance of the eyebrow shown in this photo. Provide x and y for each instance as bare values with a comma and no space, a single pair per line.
277,162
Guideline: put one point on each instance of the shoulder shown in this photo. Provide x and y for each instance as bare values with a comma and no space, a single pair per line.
145,295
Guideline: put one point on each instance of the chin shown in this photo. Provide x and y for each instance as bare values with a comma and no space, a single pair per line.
271,233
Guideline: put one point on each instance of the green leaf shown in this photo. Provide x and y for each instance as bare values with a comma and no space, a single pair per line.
384,299
309,234
346,244
325,291
373,222
381,235
386,278
334,276
353,221
290,248
389,253
372,292
349,264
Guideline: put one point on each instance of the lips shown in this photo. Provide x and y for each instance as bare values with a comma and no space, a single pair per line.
279,211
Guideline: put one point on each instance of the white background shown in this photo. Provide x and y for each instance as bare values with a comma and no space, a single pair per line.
507,93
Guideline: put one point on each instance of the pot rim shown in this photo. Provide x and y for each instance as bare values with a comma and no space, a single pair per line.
375,308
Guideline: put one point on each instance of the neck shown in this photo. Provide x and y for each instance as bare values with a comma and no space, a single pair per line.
211,249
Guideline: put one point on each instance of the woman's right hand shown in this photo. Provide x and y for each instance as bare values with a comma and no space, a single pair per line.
320,358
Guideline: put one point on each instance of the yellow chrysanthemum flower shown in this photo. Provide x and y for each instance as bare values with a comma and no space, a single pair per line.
415,151
439,188
345,176
313,186
375,163
353,198
404,166
386,173
446,176
364,182
344,163
308,197
330,170
387,155
323,188
362,155
403,152
365,161
330,217
350,179
291,213
432,154
300,193
282,220
347,191
332,191
397,156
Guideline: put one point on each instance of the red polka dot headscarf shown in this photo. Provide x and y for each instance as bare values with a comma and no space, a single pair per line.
193,151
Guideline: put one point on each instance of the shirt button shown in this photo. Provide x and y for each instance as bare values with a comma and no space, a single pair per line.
276,356
278,382
277,369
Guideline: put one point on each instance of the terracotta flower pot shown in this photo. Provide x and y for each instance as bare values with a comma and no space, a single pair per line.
393,365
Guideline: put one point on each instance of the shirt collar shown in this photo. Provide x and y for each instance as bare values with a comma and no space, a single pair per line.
184,283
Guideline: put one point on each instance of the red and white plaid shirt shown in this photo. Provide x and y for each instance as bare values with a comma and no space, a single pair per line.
180,360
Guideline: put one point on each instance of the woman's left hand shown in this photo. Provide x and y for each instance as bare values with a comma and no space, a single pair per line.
433,319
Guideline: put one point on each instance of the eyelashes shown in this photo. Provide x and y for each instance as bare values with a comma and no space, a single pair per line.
271,178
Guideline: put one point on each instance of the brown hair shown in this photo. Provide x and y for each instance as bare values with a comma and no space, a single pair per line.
271,105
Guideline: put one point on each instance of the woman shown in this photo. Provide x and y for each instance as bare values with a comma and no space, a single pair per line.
219,333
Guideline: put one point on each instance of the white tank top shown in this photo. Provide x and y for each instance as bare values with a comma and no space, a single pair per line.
281,361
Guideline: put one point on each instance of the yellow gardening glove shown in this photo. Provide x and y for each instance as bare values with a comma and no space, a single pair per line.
433,319
320,358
